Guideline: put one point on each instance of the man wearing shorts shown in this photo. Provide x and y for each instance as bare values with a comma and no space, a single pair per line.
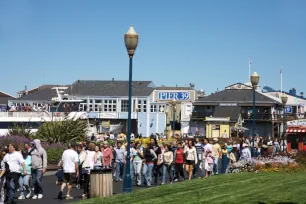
70,166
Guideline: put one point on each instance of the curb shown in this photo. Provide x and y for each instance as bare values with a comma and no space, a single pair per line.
50,173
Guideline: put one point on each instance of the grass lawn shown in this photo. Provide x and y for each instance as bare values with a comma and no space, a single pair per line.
231,188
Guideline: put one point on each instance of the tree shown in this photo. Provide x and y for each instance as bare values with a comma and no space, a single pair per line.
64,131
21,130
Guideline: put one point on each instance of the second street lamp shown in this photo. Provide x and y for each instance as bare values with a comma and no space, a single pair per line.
254,80
284,101
131,42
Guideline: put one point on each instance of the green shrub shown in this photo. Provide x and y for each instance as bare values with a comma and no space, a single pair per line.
54,155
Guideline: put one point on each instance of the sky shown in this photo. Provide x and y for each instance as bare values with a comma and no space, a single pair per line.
207,43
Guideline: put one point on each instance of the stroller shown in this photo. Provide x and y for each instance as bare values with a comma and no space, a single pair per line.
59,175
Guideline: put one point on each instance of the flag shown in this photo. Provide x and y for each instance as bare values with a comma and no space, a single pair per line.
250,61
281,70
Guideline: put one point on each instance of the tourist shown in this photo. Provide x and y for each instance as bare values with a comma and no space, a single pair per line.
39,167
120,154
84,160
276,146
131,159
2,178
199,148
70,166
209,163
158,163
107,156
216,151
245,153
98,158
191,158
149,158
225,156
232,156
179,162
137,162
24,179
13,160
167,165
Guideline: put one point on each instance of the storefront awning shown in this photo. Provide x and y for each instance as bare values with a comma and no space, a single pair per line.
296,130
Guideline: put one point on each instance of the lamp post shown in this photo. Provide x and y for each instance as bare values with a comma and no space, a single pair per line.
254,80
173,117
131,41
284,101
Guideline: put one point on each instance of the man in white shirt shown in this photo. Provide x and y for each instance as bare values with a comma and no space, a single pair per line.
70,166
13,161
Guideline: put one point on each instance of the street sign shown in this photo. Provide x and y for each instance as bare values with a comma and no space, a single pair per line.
288,109
180,96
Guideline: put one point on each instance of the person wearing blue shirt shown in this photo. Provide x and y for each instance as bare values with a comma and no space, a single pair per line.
119,160
24,179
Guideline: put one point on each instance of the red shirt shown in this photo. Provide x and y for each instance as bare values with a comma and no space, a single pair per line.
179,159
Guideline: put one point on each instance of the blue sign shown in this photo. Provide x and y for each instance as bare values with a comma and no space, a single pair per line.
288,109
180,96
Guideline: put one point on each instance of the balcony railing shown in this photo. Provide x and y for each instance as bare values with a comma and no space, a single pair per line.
29,114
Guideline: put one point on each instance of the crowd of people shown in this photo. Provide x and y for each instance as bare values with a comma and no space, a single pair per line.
22,170
158,162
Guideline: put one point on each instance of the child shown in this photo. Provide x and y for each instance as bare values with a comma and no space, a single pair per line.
24,179
209,163
59,175
2,178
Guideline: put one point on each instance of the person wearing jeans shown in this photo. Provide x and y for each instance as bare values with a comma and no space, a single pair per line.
24,179
167,165
39,167
120,154
217,152
149,157
12,162
137,162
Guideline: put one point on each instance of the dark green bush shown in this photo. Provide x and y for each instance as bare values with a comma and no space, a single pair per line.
54,155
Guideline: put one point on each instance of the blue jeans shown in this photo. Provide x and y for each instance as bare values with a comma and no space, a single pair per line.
147,173
137,169
11,191
24,184
37,181
119,170
216,166
166,169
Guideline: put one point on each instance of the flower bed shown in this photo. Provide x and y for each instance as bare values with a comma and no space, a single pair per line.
276,163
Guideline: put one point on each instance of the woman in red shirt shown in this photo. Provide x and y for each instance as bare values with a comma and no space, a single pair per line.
107,156
179,162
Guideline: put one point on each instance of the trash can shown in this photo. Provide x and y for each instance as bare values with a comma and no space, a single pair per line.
101,182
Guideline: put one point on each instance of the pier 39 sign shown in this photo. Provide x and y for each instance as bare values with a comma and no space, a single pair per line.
179,96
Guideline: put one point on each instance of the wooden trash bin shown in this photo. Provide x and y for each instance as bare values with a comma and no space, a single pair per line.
101,183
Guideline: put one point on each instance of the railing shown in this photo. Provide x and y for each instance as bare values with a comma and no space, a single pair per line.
29,114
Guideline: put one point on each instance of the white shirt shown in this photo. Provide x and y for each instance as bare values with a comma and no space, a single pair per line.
207,147
69,158
14,160
111,136
91,158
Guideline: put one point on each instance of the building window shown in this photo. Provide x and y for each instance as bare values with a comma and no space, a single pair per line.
153,108
124,105
161,108
144,106
109,105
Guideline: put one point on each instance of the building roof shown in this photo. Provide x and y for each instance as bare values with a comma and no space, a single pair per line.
173,88
227,111
44,94
240,96
3,94
110,88
37,89
4,100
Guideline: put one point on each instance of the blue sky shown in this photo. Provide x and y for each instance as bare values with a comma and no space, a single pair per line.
204,42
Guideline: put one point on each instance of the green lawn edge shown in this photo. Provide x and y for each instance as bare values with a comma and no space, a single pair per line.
229,188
